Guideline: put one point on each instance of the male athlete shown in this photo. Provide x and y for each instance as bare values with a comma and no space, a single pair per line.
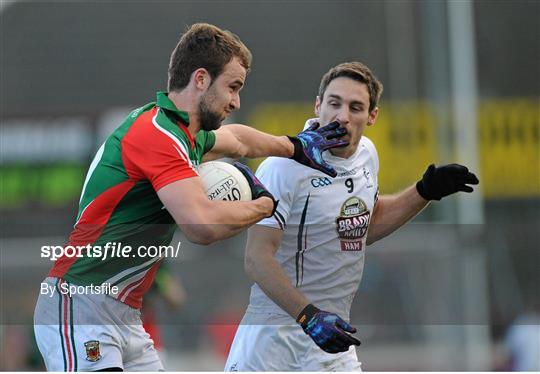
307,259
142,183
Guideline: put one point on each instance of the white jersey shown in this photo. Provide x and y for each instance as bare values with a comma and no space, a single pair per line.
325,222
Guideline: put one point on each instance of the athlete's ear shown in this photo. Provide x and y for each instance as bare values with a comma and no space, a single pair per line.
201,78
373,116
317,105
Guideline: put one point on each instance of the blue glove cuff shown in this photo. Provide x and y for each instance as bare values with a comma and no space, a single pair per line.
307,314
298,148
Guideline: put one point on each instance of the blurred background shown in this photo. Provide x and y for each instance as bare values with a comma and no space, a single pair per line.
459,289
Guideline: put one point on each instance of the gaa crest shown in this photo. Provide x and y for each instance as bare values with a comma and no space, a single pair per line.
92,350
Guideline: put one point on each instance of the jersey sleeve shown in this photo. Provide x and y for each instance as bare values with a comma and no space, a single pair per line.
374,157
374,160
151,152
275,175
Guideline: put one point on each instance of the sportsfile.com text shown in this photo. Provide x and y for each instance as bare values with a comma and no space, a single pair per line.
109,250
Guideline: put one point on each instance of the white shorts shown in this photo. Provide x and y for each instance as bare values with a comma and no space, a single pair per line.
89,332
262,345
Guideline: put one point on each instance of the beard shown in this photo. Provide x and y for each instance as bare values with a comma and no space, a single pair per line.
210,120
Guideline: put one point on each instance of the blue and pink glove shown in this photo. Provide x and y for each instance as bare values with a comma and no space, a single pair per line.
313,141
257,188
327,330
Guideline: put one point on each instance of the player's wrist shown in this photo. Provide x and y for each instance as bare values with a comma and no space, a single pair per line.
270,204
426,186
296,150
422,191
290,146
307,314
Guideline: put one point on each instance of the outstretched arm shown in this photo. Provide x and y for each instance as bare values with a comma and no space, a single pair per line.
393,211
306,148
243,141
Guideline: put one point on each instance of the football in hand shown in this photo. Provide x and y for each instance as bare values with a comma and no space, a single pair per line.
222,181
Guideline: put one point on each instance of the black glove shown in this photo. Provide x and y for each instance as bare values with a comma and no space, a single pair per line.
445,180
313,141
327,330
257,188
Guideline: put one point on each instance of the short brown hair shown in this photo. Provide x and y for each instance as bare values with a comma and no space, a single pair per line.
204,46
358,72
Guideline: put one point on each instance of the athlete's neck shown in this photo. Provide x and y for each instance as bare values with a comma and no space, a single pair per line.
188,102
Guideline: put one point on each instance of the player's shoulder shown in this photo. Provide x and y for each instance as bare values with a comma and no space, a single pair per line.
154,124
370,147
368,143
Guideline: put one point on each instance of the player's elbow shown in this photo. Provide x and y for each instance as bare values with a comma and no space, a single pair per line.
372,238
256,265
198,228
199,233
201,239
374,232
250,266
375,236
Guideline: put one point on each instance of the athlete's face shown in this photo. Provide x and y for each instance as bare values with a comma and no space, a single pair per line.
346,101
222,96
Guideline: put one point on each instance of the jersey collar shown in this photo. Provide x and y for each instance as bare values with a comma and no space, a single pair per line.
164,102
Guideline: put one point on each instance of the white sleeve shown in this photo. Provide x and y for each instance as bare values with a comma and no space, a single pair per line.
373,153
275,175
375,163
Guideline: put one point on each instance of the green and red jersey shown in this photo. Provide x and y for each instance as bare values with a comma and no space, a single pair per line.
119,203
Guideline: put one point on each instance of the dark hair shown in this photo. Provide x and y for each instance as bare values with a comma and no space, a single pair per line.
204,46
358,72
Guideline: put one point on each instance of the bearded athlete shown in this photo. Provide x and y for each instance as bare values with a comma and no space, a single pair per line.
142,184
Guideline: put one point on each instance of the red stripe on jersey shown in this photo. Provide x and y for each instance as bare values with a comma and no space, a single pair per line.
91,223
134,298
130,287
188,134
154,154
